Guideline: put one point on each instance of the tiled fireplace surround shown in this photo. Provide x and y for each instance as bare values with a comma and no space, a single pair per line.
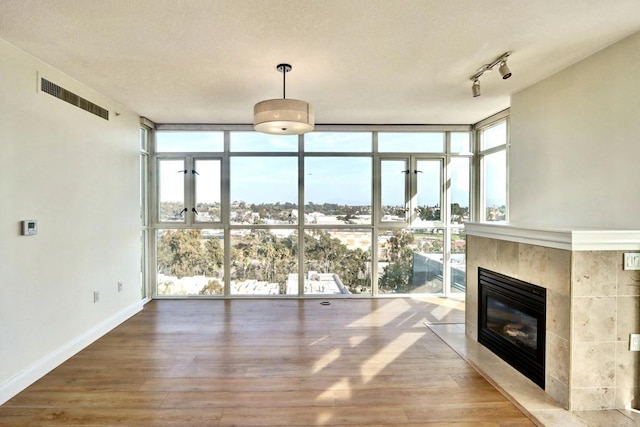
592,305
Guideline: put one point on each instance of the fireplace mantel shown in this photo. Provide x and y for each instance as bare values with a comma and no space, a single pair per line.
576,239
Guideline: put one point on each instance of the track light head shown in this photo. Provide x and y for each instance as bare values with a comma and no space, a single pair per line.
475,88
504,70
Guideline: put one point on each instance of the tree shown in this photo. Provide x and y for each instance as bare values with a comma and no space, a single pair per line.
397,275
458,213
213,256
428,213
180,253
213,287
329,255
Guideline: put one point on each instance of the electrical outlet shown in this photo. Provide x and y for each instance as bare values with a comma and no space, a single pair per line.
634,342
96,296
119,286
631,261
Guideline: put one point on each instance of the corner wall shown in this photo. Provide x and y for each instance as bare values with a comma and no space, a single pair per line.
78,176
575,144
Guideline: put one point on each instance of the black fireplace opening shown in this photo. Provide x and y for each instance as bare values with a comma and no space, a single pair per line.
511,322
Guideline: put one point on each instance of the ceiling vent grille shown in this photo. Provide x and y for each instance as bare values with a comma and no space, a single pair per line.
73,99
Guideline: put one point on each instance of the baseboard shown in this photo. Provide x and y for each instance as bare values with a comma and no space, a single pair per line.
33,373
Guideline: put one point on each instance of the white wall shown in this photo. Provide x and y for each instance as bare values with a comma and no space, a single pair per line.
575,144
78,175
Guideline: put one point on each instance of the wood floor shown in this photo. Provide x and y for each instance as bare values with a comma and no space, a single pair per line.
363,362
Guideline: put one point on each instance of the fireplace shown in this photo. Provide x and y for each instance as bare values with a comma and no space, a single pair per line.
511,322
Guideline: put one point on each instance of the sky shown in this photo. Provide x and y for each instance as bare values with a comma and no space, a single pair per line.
328,178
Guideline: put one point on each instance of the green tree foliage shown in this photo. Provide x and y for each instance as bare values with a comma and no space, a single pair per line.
326,254
180,253
397,274
458,213
213,256
263,256
428,213
213,287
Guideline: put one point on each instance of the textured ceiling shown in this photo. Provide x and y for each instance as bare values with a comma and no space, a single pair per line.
356,61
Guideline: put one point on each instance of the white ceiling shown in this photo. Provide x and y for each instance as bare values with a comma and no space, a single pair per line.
356,61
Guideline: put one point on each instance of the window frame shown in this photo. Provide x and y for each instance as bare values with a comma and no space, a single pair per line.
445,206
479,188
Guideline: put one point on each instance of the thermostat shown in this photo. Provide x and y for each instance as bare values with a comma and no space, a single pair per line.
29,227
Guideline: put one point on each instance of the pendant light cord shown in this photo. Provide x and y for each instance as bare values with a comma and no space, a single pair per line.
284,83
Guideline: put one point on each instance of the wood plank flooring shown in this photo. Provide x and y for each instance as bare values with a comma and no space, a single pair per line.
364,362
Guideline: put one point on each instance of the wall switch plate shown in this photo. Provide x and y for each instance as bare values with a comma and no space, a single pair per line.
96,296
634,342
119,286
631,261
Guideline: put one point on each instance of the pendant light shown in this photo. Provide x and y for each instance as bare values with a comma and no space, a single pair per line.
283,116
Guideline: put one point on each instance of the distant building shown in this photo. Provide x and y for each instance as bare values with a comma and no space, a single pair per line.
317,284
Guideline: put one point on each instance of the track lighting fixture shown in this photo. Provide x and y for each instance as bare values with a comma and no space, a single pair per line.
503,68
475,88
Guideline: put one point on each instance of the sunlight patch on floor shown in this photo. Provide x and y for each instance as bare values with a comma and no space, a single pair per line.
378,319
326,360
324,418
440,312
356,340
384,357
340,390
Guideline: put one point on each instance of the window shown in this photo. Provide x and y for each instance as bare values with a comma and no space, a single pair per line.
411,142
428,194
460,186
264,262
326,213
493,136
410,260
493,170
411,190
171,196
394,190
190,262
144,210
457,263
338,142
207,183
460,143
260,142
337,262
337,190
264,190
494,173
193,141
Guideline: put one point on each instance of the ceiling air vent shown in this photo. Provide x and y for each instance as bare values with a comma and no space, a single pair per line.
73,99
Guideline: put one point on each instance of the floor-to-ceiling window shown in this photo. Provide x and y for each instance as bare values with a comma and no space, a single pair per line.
335,212
189,234
145,143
